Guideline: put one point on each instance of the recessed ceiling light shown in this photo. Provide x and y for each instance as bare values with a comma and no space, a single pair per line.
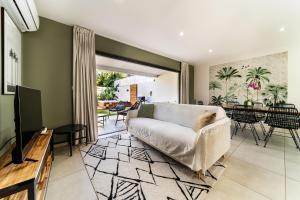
210,50
181,34
282,29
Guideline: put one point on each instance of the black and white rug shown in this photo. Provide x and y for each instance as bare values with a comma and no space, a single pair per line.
122,167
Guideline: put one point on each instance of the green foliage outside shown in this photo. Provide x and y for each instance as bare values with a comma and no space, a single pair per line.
109,93
107,79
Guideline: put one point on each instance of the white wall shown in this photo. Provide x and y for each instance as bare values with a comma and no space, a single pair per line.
202,75
294,75
144,86
164,88
123,93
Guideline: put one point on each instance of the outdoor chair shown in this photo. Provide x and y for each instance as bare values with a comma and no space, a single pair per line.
124,112
119,107
142,99
245,114
285,118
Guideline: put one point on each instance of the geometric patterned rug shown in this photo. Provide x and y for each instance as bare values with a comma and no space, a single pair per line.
122,167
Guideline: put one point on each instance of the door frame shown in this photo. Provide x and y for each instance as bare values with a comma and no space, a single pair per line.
113,56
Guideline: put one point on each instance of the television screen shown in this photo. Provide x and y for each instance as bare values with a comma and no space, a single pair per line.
30,113
28,120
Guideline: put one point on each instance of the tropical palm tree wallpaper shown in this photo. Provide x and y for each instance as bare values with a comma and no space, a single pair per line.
256,76
261,79
226,74
214,85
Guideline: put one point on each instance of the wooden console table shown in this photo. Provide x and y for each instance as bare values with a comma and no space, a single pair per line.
29,179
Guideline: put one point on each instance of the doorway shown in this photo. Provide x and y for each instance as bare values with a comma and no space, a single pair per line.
128,83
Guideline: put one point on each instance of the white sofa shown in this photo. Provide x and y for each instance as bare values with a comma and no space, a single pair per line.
170,131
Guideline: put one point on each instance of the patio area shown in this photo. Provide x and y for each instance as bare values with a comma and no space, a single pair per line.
109,126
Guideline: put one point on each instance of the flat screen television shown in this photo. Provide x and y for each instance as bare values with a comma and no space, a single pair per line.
28,121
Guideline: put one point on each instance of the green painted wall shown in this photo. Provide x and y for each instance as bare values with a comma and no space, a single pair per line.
7,125
47,66
132,53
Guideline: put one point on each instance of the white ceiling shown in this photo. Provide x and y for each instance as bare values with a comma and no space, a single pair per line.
110,64
232,28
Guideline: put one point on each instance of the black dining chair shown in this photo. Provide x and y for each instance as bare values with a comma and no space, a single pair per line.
285,118
260,116
286,105
230,104
245,114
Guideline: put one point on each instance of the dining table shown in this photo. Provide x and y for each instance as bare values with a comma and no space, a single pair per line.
264,109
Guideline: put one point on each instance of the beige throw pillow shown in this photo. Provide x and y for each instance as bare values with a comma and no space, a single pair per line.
203,120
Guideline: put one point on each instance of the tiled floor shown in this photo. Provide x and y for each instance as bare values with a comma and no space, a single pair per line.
68,178
252,172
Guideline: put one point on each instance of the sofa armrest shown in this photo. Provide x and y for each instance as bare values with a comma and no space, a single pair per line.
131,114
214,141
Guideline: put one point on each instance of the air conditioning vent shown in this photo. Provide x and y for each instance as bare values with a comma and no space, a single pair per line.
23,13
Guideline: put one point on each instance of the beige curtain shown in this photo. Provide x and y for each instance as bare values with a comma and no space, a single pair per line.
184,83
84,80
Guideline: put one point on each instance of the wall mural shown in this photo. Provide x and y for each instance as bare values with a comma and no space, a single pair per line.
261,79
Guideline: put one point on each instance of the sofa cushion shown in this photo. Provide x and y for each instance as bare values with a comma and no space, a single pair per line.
170,138
204,119
184,114
146,111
